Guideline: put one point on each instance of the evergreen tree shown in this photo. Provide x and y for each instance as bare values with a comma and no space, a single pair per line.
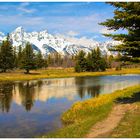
6,55
39,60
110,61
118,57
19,57
93,60
100,60
81,62
15,58
89,62
126,16
28,58
102,64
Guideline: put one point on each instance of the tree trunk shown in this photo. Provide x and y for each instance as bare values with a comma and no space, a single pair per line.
27,71
4,70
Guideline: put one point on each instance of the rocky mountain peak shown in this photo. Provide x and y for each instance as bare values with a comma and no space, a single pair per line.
48,43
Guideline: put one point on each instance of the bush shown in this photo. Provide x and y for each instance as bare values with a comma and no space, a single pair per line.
77,68
94,61
118,68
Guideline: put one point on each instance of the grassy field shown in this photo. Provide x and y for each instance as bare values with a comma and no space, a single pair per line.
83,115
58,73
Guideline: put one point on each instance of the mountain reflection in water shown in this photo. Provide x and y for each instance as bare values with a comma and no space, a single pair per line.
27,92
33,108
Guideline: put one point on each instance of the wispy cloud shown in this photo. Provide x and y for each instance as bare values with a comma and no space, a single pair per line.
79,41
81,24
72,19
67,25
23,8
72,33
20,20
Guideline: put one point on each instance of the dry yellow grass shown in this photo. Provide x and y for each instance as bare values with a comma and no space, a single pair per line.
58,73
81,108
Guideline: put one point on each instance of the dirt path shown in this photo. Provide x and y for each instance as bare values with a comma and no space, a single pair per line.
103,128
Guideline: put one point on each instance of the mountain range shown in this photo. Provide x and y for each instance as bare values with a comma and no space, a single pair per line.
48,43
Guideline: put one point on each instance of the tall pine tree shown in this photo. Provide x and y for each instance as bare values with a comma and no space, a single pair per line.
81,62
19,57
28,59
126,16
40,62
6,55
93,60
100,61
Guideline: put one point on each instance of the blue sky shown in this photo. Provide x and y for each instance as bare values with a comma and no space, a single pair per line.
78,19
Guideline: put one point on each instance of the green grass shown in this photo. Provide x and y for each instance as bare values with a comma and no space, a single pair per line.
129,127
83,115
58,73
79,129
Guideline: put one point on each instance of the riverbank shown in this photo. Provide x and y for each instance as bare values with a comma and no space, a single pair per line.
60,73
82,116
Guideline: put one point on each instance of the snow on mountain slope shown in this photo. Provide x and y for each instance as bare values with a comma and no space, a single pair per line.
47,43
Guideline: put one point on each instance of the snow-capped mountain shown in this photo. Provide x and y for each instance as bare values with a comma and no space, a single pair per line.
47,43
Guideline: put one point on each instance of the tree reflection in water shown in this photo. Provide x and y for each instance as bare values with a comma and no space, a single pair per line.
27,94
6,92
84,89
29,91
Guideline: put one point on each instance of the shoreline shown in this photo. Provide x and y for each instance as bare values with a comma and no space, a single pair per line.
61,73
83,115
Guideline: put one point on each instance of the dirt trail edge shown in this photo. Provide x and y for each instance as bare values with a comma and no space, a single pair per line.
101,129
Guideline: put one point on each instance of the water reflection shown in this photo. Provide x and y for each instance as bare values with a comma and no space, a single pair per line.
6,96
27,93
84,86
31,108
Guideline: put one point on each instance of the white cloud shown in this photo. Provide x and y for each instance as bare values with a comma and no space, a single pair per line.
80,41
81,24
62,24
20,20
69,25
106,31
23,8
72,33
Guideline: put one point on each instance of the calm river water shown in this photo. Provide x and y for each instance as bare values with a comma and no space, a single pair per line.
33,108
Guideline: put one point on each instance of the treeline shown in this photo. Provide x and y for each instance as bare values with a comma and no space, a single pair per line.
25,58
93,61
57,60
